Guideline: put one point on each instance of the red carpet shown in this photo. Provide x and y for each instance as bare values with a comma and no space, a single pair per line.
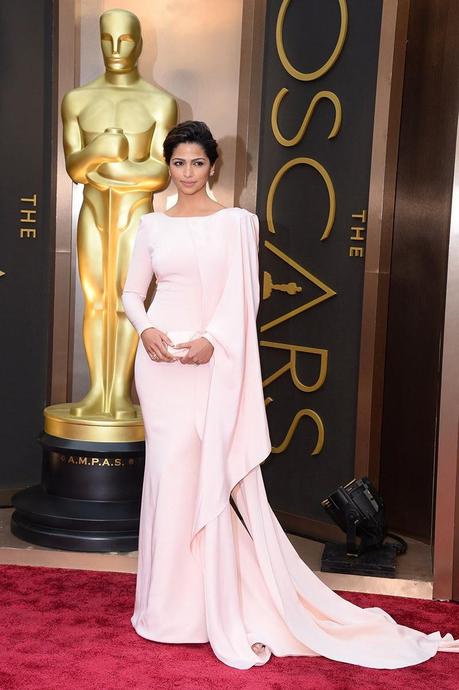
70,630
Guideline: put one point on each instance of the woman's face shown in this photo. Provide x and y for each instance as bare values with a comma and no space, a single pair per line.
189,167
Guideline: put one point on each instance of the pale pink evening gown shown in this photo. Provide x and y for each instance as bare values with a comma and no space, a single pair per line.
202,576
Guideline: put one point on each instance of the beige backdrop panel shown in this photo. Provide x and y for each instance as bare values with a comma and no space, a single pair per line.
193,52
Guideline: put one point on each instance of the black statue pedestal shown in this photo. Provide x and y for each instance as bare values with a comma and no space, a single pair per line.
89,497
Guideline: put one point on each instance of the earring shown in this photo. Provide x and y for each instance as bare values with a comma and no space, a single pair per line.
212,172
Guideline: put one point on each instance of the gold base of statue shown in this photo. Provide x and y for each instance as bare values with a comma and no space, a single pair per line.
60,423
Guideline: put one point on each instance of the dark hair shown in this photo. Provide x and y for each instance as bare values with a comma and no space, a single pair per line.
192,132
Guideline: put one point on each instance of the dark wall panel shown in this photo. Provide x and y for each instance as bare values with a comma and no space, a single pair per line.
26,235
419,258
300,263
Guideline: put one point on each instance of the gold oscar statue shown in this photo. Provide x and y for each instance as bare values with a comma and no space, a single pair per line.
93,449
113,133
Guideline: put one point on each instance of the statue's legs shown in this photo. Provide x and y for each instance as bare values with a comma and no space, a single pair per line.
91,270
106,233
126,336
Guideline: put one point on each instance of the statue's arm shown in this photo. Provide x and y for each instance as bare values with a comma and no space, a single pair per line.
151,174
79,159
164,123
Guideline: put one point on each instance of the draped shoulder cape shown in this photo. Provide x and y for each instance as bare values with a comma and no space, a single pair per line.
235,436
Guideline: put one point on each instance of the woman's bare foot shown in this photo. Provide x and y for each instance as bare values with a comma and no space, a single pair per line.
258,647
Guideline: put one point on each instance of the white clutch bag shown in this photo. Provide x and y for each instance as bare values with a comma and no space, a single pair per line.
181,337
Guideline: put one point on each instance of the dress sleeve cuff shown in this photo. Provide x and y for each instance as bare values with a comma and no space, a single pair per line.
209,337
140,328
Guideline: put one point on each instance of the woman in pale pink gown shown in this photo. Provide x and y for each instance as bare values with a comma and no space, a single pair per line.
203,574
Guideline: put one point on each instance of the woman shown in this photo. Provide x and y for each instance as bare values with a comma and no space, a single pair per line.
204,573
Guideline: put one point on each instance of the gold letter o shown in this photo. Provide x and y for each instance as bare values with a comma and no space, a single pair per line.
310,76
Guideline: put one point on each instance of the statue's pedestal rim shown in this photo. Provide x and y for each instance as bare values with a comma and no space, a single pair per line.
62,523
88,499
60,423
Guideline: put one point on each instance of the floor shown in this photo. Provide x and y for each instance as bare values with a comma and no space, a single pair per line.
414,571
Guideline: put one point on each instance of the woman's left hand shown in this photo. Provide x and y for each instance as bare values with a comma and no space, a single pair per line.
199,352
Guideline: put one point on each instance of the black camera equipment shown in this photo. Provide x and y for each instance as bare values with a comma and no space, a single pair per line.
358,510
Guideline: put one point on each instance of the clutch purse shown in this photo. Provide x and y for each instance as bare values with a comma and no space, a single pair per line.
181,337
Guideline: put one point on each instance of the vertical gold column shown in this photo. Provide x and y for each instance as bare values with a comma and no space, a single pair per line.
249,105
394,26
62,334
447,499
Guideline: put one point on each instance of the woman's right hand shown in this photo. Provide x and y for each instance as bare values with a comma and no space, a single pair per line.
155,343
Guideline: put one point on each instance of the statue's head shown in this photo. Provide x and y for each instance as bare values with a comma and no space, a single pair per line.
121,40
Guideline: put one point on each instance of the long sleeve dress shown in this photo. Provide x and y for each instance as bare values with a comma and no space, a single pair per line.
203,574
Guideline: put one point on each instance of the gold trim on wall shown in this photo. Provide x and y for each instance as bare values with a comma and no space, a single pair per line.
249,105
446,558
394,26
63,270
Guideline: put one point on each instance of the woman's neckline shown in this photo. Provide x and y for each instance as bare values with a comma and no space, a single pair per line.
208,215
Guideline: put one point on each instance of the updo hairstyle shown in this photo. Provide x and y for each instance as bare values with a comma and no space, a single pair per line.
190,132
